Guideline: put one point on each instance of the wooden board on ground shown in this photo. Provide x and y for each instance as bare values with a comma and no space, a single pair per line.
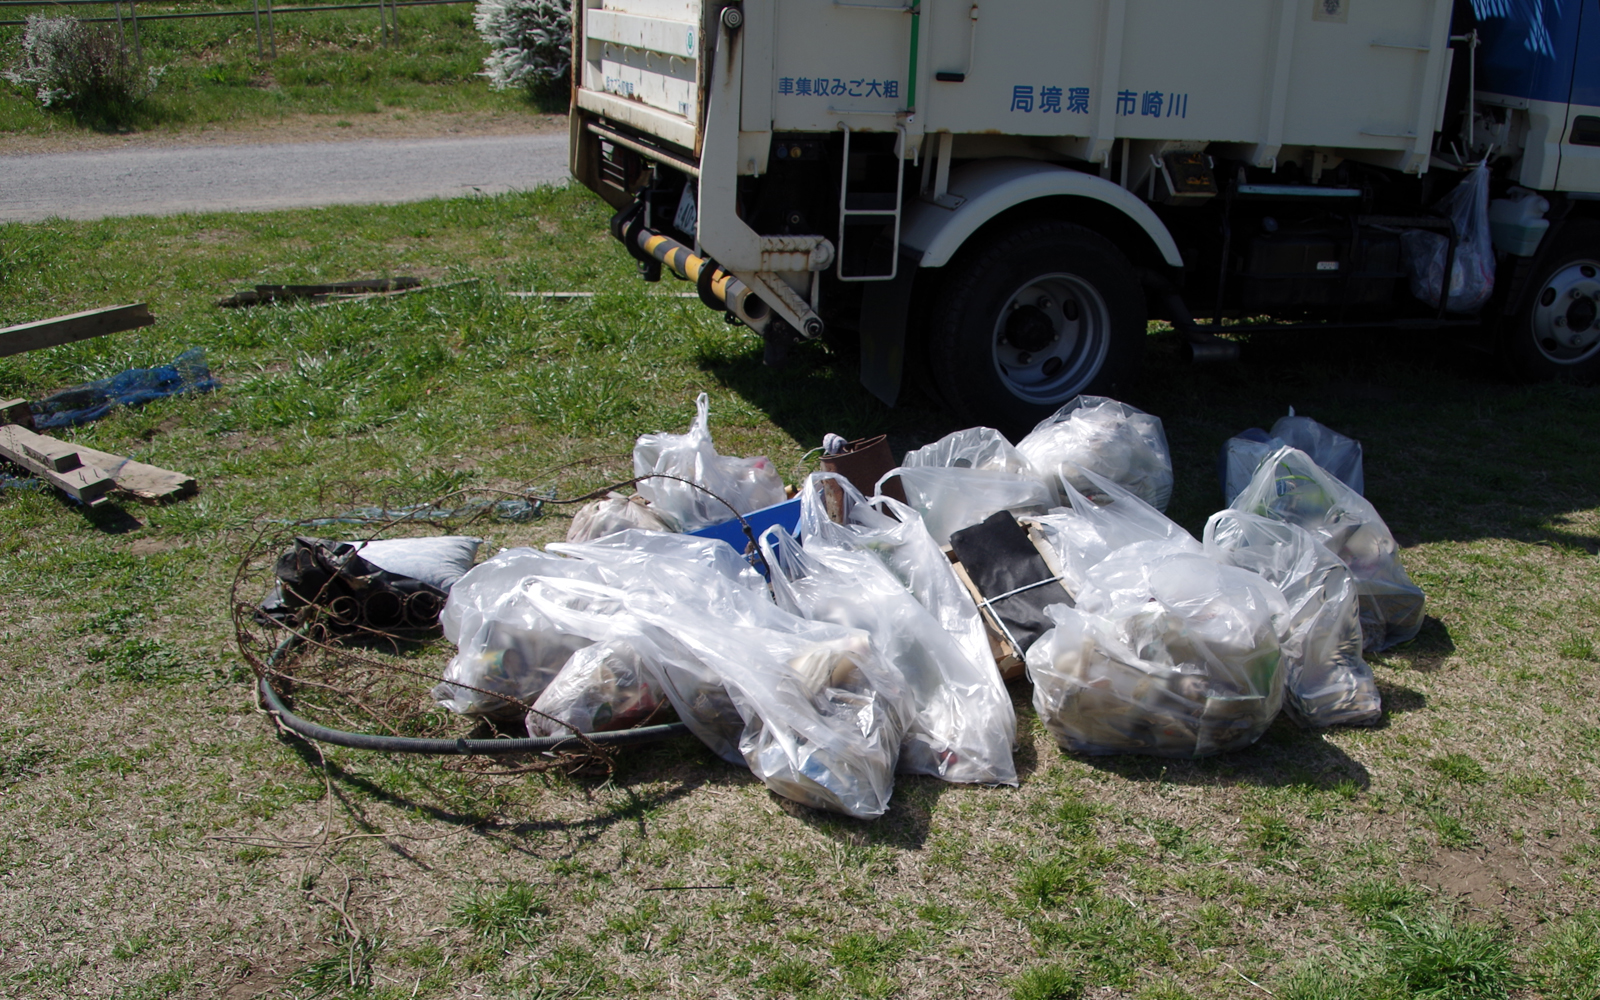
1006,656
16,411
73,328
264,294
85,483
147,482
59,456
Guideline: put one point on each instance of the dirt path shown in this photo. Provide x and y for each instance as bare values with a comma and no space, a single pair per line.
293,129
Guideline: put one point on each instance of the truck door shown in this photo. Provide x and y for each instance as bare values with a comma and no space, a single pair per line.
1530,48
1580,143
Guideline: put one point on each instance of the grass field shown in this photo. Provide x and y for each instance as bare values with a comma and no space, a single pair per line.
158,839
331,63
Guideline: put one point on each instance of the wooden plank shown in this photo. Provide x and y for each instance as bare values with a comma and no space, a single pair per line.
59,456
329,300
16,411
264,294
85,484
73,328
147,482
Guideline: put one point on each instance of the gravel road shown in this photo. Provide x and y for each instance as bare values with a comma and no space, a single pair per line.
166,181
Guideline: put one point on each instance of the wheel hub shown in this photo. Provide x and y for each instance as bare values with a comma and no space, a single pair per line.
1050,337
1564,316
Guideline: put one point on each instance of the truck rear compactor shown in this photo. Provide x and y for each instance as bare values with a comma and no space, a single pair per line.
996,196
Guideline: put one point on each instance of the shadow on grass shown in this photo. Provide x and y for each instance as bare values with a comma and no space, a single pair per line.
445,805
1285,757
1424,654
1454,451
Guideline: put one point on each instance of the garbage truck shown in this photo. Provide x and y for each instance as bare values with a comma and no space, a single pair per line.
993,198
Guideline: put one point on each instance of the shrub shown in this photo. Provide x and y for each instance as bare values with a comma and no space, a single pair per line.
67,63
530,42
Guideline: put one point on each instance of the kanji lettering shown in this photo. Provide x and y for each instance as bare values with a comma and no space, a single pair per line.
1151,105
786,84
802,86
874,89
1078,100
1127,102
1021,98
1050,100
1177,105
891,88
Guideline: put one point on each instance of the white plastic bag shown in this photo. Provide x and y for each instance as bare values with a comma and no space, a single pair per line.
1290,487
746,483
506,647
951,499
1472,274
1111,439
1244,453
963,727
439,561
1328,448
609,685
1167,653
973,448
895,534
823,715
613,514
1084,535
1326,681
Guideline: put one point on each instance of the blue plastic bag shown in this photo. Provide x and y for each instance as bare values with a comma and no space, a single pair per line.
134,387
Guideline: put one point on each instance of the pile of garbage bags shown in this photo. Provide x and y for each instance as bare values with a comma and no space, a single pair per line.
835,655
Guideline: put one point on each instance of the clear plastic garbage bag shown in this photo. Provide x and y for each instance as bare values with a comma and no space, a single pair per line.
674,568
1086,533
1244,453
1326,682
1472,274
612,514
964,726
895,534
506,647
973,448
1167,653
746,483
1290,487
823,714
609,685
1111,439
951,499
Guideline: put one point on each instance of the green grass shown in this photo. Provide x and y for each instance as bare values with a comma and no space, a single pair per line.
504,916
332,64
156,821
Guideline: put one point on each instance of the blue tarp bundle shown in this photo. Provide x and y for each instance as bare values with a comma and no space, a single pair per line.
81,404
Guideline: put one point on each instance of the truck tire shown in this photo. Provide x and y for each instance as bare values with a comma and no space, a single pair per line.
1031,317
1556,334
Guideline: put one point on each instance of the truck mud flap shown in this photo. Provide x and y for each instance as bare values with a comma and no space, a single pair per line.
885,311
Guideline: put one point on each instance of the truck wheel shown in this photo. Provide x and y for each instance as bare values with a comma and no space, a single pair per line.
1030,318
1557,333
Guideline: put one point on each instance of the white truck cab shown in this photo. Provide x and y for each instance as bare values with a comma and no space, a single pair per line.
999,194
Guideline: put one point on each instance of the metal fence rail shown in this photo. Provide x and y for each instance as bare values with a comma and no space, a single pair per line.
390,22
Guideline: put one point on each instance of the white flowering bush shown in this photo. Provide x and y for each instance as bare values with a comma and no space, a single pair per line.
67,63
530,42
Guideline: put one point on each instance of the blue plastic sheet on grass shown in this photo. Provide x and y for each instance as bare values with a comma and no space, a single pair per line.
136,386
